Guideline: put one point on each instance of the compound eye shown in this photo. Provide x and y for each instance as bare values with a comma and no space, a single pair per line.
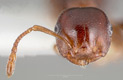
110,30
57,29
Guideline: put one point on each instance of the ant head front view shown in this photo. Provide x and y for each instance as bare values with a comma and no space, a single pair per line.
83,35
88,32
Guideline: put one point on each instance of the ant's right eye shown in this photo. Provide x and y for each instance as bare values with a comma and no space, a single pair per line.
57,29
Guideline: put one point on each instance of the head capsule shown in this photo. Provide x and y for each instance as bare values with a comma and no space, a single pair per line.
87,30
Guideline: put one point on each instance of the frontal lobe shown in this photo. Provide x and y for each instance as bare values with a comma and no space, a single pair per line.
89,32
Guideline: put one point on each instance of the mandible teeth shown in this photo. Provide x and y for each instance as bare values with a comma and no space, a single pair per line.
102,54
84,62
97,55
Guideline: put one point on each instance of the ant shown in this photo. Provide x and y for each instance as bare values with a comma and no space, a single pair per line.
83,35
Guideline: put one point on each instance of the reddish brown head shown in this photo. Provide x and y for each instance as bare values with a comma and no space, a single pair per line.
87,30
83,35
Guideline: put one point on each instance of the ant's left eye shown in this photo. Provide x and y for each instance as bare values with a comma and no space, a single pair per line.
110,30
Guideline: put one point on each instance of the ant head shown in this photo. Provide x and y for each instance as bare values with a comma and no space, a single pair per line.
88,32
83,35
